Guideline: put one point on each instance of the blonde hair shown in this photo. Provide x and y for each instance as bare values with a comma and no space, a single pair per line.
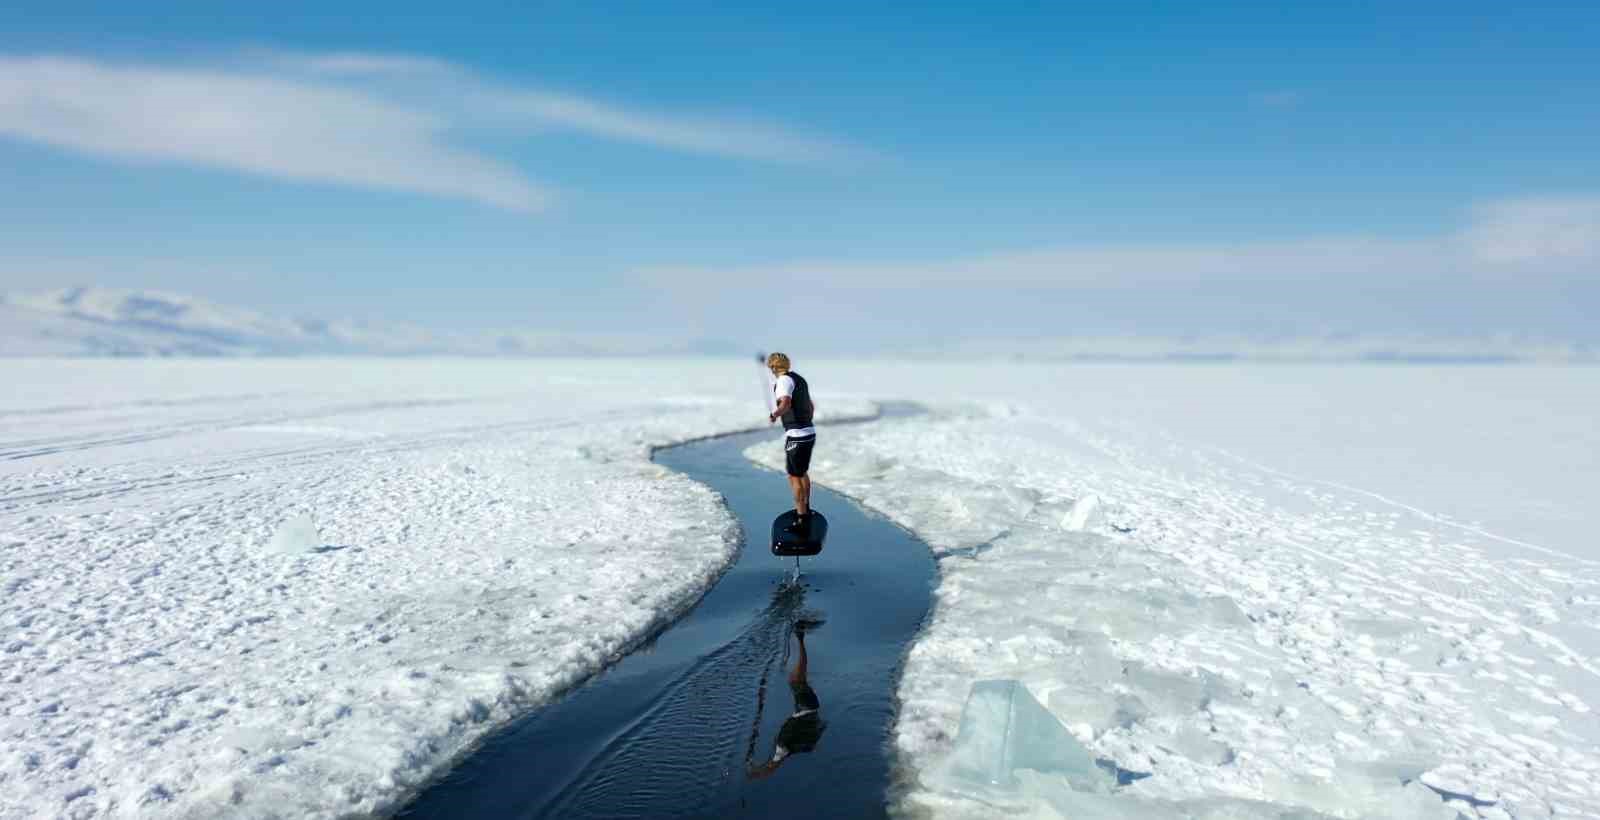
780,361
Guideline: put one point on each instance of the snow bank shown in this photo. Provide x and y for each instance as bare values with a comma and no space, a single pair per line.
1234,642
302,588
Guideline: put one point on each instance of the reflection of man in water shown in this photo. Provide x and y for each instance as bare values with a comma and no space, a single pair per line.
803,729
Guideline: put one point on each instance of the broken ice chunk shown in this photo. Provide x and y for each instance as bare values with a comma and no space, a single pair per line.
1096,707
1200,746
1003,729
1085,514
298,534
1387,789
1175,692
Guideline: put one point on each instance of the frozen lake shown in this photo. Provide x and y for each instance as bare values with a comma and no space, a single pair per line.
311,585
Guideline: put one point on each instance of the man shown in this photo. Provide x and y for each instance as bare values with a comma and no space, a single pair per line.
795,407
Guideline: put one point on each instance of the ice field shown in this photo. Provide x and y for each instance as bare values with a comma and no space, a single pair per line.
268,588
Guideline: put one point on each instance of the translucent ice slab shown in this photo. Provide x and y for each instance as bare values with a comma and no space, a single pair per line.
296,535
1003,729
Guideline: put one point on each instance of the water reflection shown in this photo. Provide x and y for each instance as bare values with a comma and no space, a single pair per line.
803,729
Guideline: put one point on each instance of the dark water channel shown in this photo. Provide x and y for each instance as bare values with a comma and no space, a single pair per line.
688,724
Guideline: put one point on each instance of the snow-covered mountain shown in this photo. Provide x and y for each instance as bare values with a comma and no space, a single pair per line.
91,321
108,322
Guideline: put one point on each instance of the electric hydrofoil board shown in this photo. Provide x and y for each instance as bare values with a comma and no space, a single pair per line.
789,540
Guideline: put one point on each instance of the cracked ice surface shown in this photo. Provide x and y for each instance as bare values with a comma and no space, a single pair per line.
1261,636
292,588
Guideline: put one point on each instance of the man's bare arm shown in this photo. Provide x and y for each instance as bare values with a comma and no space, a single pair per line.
783,407
764,770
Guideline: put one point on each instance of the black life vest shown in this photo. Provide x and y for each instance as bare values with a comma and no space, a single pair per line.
798,415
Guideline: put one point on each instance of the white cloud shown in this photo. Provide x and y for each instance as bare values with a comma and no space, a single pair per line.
1537,230
1091,266
1505,242
252,123
364,120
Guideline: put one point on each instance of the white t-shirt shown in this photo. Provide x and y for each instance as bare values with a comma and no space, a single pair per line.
782,388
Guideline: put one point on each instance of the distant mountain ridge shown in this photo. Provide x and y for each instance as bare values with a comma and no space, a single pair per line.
107,322
85,321
1370,348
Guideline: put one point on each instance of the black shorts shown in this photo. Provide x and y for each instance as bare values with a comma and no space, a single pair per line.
805,698
803,729
797,454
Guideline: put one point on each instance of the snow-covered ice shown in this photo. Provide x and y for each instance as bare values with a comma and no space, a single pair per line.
1247,622
303,587
300,588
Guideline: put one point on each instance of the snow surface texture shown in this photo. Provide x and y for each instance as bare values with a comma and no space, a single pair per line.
1238,640
294,588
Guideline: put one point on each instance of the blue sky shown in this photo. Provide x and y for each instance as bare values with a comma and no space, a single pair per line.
896,176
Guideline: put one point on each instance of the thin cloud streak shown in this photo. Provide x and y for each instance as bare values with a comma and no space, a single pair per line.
715,137
1505,242
544,108
358,64
1538,229
361,120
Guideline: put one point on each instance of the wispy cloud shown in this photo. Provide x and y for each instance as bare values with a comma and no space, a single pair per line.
549,109
249,122
716,137
354,63
1537,230
374,121
1504,241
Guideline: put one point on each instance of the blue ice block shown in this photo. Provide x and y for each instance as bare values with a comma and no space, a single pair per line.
1004,729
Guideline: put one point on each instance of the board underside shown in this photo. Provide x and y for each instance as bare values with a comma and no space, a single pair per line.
808,541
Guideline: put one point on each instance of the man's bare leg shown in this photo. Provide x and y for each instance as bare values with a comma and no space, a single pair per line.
798,676
801,487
